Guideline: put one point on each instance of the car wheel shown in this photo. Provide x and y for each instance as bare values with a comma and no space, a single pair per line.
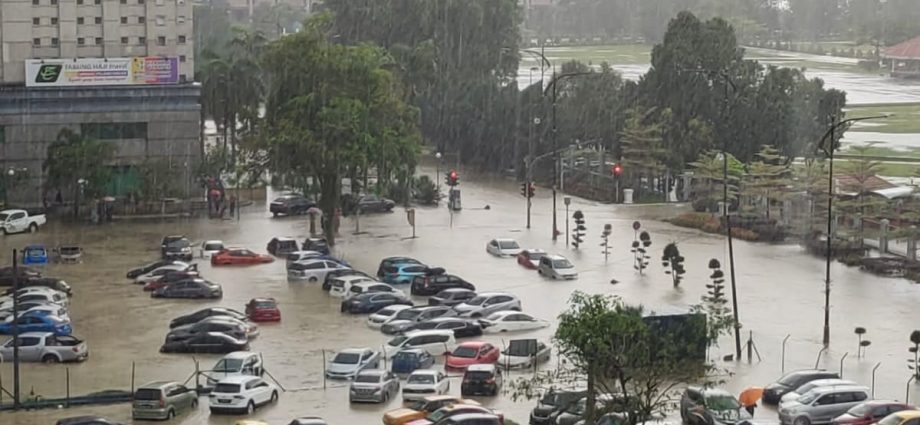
386,396
540,272
801,421
313,279
171,414
33,228
250,408
274,214
195,403
49,359
274,397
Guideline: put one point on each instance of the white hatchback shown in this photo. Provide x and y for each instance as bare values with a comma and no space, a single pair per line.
376,320
425,382
503,247
241,394
557,267
340,286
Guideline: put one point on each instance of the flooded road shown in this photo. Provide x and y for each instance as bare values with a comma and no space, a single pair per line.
780,287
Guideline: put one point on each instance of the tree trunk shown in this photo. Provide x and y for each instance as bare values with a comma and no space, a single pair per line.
590,402
329,186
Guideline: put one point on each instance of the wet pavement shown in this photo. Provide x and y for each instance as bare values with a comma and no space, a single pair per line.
780,287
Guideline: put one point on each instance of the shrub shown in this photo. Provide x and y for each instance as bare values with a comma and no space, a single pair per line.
692,220
745,234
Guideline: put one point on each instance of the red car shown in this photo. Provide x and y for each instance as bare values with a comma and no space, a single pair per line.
530,258
239,256
870,412
263,310
470,353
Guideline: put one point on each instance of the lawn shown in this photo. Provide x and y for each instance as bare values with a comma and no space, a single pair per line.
905,118
623,54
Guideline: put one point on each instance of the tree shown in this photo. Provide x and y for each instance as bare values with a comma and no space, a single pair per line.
334,108
578,234
627,362
73,158
708,178
719,318
766,181
643,152
856,202
157,179
673,263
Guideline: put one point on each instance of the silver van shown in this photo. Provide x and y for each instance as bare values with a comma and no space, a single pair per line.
822,404
163,400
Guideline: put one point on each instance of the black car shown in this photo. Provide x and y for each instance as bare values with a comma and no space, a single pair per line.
463,328
290,205
6,275
432,284
229,327
86,420
332,274
189,288
281,246
481,379
204,314
372,301
47,282
316,244
774,392
211,342
452,297
148,268
176,248
374,203
389,261
551,404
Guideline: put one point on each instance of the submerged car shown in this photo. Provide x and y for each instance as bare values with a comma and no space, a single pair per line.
711,406
147,268
392,261
870,412
290,205
423,382
376,386
190,288
512,321
471,353
481,379
557,267
36,323
209,248
239,256
452,297
429,284
407,361
211,342
374,301
420,408
282,246
487,303
176,248
347,363
204,314
774,392
263,310
530,258
524,353
463,328
503,247
377,319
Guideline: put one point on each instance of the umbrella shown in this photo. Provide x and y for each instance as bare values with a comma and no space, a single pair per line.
315,211
750,396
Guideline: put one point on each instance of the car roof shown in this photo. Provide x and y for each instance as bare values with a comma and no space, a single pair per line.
504,240
447,319
157,384
283,238
908,414
354,350
429,332
263,300
424,372
413,351
838,388
239,355
492,294
312,260
555,257
369,284
35,334
504,313
352,277
481,367
472,416
213,241
238,379
374,372
473,344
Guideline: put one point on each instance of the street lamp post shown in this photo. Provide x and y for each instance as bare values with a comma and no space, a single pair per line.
76,204
437,176
828,149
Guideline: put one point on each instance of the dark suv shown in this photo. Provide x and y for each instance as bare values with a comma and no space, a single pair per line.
552,402
432,284
774,392
281,246
176,248
290,205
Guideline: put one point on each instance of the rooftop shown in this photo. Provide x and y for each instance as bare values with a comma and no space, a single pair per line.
909,49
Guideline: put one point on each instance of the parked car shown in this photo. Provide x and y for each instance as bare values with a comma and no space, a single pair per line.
376,386
573,413
241,394
435,342
511,321
6,313
176,248
34,323
552,402
44,282
347,363
405,362
68,254
530,258
431,285
263,310
904,417
312,270
374,301
147,268
423,382
332,274
444,414
452,297
296,256
557,267
209,248
341,285
481,379
224,325
315,244
821,405
190,288
211,342
485,304
374,203
86,420
36,310
406,318
237,363
162,400
808,386
524,353
281,246
20,221
420,408
239,256
290,205
463,328
159,272
871,412
204,314
372,287
710,406
169,278
308,420
404,273
392,261
34,255
378,318
471,419
35,293
503,247
774,392
45,347
470,353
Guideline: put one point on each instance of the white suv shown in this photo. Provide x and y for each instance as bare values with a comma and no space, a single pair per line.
241,394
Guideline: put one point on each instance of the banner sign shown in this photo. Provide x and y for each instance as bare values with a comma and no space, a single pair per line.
102,72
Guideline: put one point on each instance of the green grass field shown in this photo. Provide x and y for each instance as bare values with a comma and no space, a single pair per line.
625,54
905,118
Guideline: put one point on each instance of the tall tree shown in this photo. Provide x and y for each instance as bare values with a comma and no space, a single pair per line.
766,181
643,153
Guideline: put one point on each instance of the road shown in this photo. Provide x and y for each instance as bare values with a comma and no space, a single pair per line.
780,293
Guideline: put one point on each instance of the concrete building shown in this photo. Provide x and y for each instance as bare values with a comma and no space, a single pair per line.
115,70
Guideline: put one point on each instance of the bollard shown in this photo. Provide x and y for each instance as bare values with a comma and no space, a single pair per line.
132,378
324,369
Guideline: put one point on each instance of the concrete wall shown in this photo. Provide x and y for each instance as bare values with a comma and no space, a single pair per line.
32,119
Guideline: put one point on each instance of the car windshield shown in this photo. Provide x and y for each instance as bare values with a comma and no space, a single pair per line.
227,388
421,379
508,245
213,247
860,409
407,314
3,217
465,352
228,365
807,398
147,394
181,243
368,378
790,380
396,342
476,301
722,402
265,304
535,256
478,375
562,264
347,358
386,312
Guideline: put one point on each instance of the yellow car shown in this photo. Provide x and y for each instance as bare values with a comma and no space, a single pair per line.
904,417
421,408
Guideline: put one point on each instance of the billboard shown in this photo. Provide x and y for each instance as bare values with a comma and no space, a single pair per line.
102,72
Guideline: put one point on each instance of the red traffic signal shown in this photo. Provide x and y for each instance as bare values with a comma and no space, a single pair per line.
452,178
617,170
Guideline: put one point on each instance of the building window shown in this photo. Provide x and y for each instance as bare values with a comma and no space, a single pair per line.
161,41
180,19
161,20
99,41
124,1
181,39
98,20
81,41
54,41
36,42
124,19
142,41
54,21
35,2
53,2
114,131
80,21
79,2
140,1
141,20
182,78
124,40
36,21
181,58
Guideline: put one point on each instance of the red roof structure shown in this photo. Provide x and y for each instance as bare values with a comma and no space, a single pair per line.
909,49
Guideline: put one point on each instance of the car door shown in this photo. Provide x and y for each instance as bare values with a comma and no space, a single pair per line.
488,353
821,408
442,385
263,391
18,222
30,349
493,247
30,324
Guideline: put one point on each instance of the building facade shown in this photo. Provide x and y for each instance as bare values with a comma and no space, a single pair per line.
120,71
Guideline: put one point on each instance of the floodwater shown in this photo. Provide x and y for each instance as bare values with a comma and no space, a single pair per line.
780,293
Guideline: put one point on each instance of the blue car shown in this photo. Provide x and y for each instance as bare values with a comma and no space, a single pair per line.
34,323
403,272
34,254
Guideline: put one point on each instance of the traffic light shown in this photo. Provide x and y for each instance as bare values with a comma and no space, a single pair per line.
452,178
531,189
524,189
617,170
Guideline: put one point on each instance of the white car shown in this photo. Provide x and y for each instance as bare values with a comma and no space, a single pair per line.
503,247
524,353
56,297
340,286
511,321
209,248
237,363
365,287
425,382
435,342
296,256
241,394
312,270
557,267
160,271
347,363
486,303
376,320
